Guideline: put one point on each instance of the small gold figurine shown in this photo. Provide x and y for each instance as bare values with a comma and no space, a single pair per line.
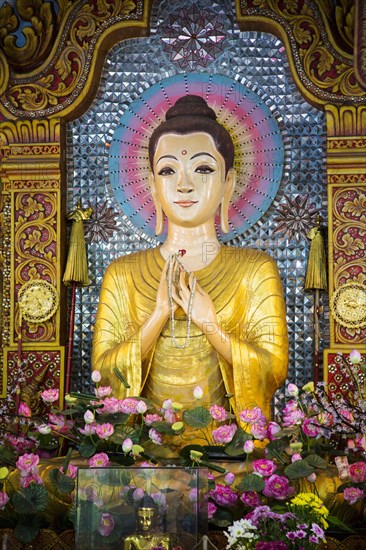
147,536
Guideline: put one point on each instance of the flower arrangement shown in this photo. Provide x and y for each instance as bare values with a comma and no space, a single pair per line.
279,465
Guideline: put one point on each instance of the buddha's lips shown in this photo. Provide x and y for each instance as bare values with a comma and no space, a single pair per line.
185,204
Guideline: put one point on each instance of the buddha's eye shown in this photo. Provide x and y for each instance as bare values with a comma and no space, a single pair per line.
204,169
166,171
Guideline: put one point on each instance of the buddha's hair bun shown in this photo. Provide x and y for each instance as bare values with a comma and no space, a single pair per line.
194,105
191,114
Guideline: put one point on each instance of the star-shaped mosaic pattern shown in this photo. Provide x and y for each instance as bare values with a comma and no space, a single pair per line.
193,37
296,217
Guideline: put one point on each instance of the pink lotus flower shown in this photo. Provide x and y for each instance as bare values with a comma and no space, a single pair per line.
211,509
311,427
355,357
103,391
27,464
50,396
59,424
155,436
248,446
138,494
26,480
259,431
4,499
252,416
223,495
159,499
99,460
106,525
127,445
353,494
104,431
198,392
150,418
357,472
128,405
141,407
224,434
89,429
89,417
71,471
170,416
110,405
24,410
229,478
264,467
278,487
272,429
292,418
293,390
218,413
250,498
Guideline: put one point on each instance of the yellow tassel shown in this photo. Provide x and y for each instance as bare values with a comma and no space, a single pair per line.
77,263
316,274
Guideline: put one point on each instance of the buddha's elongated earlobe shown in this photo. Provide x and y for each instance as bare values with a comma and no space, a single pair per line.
159,226
229,189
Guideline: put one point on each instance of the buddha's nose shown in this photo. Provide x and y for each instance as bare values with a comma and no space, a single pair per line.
185,184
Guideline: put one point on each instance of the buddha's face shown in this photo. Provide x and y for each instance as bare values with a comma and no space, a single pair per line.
189,178
146,519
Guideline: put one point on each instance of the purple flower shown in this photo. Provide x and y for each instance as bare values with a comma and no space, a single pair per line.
317,530
138,494
106,525
278,487
223,495
224,434
4,499
275,545
250,498
272,429
24,410
353,494
264,467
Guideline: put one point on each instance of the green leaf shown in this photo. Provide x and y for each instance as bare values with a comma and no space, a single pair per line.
276,447
7,456
298,469
199,417
31,500
163,427
251,482
87,447
235,447
115,418
222,518
63,484
123,432
334,520
89,517
122,459
27,529
316,461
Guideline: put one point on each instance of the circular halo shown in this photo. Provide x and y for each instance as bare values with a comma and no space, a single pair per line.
259,149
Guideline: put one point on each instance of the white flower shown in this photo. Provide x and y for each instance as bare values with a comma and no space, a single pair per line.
127,445
89,417
141,407
44,429
198,392
96,376
293,390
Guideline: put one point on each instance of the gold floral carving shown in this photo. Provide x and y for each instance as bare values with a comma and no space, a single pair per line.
348,248
61,81
318,41
360,42
39,36
35,239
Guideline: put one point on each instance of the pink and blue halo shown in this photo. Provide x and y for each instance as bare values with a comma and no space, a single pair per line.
259,149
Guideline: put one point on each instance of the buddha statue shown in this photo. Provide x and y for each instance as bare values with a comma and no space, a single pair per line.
147,535
192,311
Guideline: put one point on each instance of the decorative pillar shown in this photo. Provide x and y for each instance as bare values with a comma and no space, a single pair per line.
33,210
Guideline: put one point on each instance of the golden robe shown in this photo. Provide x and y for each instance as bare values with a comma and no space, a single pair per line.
246,290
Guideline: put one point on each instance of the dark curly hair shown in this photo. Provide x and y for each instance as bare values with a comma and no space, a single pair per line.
192,114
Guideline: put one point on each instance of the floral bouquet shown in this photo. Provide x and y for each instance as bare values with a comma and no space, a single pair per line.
276,460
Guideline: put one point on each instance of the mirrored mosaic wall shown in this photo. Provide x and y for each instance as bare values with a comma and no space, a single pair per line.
259,61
